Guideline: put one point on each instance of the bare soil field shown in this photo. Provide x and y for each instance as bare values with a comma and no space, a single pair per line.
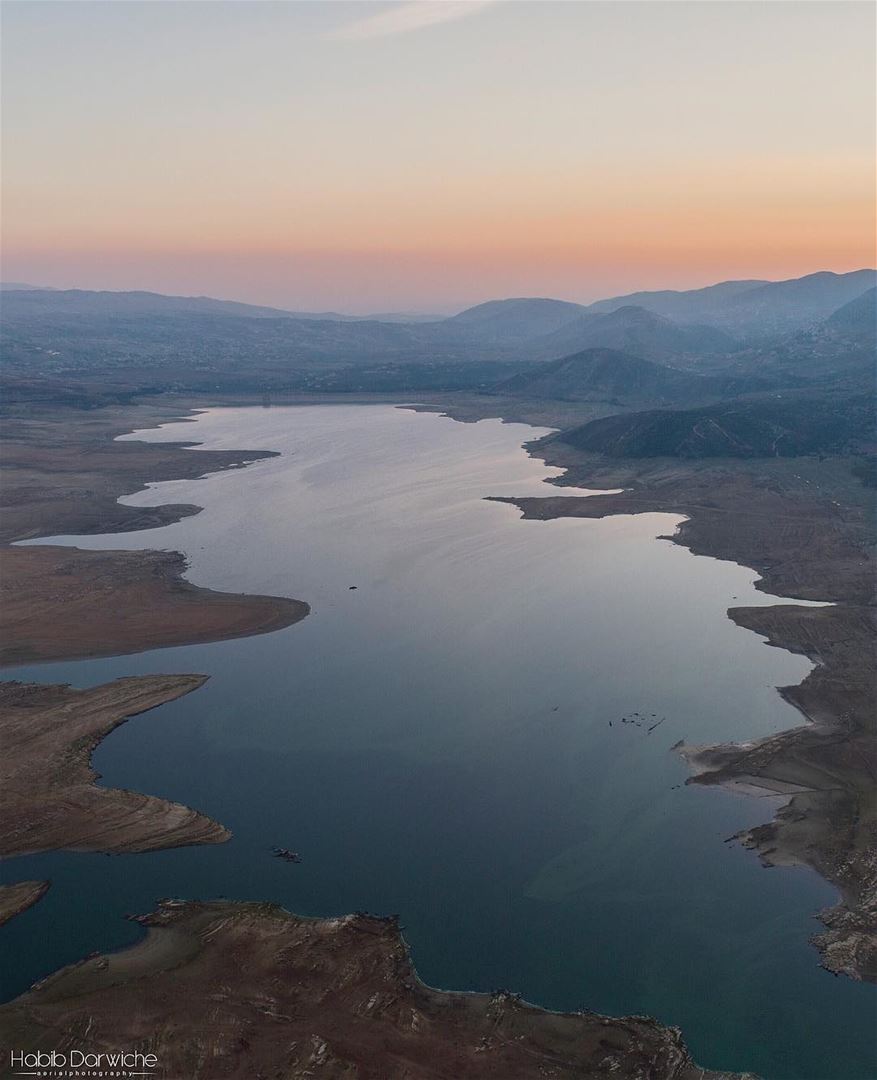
247,990
48,796
63,473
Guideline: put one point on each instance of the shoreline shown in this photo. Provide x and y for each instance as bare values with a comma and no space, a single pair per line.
16,898
49,798
567,501
48,611
64,474
830,822
335,995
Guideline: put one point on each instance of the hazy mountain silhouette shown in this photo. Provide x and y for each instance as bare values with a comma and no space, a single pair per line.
684,305
39,302
517,320
634,330
20,286
754,306
181,340
858,318
31,298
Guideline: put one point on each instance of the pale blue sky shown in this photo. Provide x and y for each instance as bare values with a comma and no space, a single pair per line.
329,154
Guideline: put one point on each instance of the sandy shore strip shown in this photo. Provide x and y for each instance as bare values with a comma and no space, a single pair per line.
63,473
48,796
59,603
19,897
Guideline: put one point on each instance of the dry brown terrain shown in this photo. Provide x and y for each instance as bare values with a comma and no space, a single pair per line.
19,897
48,796
63,474
59,603
63,470
248,991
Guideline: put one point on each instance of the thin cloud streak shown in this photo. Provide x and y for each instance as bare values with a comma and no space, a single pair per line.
412,15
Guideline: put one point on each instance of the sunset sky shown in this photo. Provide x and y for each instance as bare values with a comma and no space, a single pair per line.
429,155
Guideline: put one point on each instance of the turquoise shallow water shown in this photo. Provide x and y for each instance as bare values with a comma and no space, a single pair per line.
437,742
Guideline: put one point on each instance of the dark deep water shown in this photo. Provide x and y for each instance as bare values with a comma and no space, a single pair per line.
437,742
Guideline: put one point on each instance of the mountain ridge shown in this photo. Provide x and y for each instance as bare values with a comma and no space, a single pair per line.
621,378
637,331
753,305
760,426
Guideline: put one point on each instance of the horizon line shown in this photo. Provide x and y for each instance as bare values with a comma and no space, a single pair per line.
20,286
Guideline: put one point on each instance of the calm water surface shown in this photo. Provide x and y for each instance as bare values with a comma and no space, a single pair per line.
437,742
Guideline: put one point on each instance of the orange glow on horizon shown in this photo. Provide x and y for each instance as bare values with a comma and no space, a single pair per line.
574,149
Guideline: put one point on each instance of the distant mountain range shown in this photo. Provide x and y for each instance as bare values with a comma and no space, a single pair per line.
730,307
104,302
142,324
517,320
754,306
21,301
736,308
682,305
703,365
146,325
20,286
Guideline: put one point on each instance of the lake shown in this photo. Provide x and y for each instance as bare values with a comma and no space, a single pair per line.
437,741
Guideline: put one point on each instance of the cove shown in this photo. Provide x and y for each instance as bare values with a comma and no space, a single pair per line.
437,741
